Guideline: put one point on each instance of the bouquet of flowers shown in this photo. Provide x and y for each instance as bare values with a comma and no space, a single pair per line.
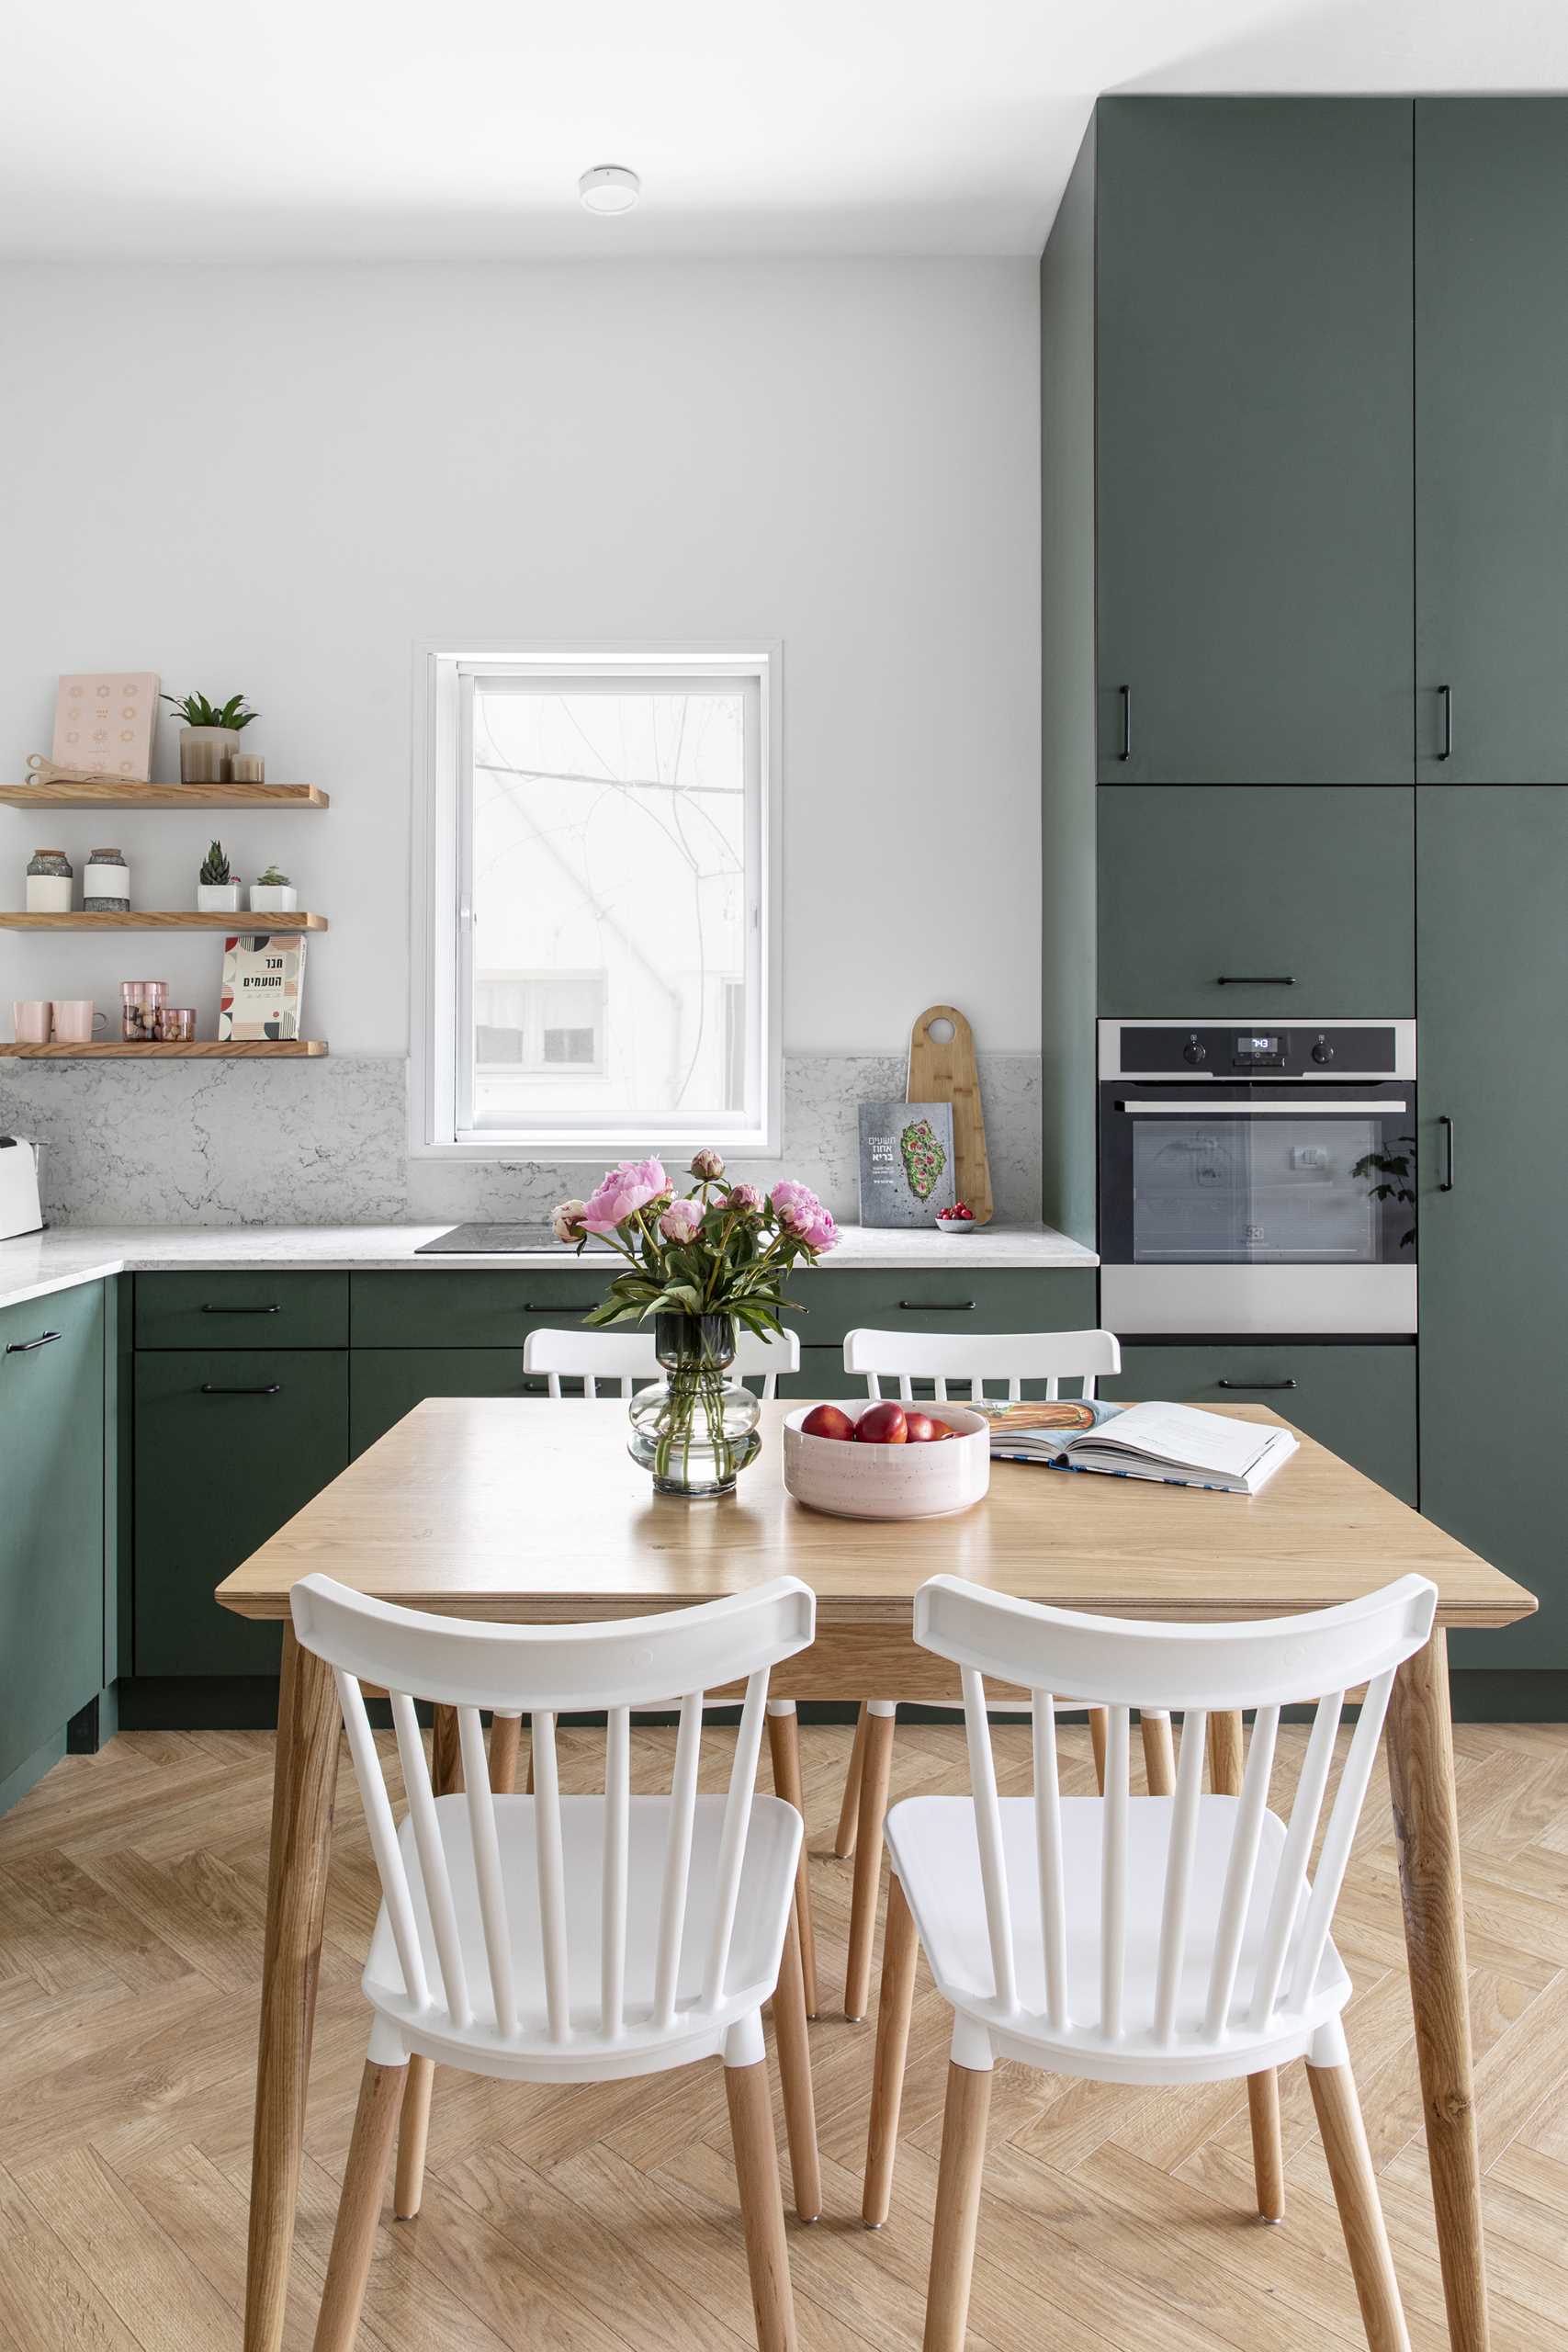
697,1262
718,1249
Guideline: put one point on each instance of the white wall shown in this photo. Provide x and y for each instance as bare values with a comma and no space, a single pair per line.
276,480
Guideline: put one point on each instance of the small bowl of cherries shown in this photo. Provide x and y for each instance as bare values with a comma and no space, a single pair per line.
959,1218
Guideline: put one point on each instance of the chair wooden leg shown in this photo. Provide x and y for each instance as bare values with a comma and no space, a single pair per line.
1267,2146
505,1741
1160,1755
380,2097
783,1748
957,2207
795,2078
876,1774
445,1779
1360,2210
761,2205
1262,2090
1100,1735
892,2006
849,1812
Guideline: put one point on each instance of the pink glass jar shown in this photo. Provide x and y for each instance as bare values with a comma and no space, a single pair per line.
176,1025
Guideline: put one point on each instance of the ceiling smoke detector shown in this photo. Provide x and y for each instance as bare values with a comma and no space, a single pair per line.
609,187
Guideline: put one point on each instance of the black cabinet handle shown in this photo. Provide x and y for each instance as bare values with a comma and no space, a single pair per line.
25,1347
1446,750
1255,980
937,1306
1255,1384
538,1310
1126,694
1447,1126
242,1310
272,1388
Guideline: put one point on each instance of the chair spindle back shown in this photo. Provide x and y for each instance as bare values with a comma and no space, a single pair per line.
967,1360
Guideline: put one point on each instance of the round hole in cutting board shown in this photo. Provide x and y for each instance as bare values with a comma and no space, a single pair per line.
941,1032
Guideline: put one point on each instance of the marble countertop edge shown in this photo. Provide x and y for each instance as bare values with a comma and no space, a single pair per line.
34,1265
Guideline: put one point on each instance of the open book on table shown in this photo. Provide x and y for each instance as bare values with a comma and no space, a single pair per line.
1177,1445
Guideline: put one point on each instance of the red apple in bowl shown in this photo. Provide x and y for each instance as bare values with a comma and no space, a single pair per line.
827,1421
885,1423
921,1429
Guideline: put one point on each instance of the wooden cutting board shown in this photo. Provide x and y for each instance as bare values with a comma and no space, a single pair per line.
945,1072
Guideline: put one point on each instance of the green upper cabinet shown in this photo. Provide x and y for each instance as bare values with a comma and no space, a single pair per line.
1493,1273
1256,566
1492,440
1293,903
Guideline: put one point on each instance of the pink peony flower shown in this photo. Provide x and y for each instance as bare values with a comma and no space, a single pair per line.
800,1212
566,1220
746,1197
682,1221
707,1164
622,1191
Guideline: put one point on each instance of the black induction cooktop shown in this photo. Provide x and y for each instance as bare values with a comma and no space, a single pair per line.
489,1241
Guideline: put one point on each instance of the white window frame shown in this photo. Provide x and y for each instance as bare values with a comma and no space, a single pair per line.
441,919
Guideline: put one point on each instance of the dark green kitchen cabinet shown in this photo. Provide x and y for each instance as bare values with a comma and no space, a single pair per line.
386,1382
1256,561
230,1443
51,1528
1359,1400
1492,864
252,1310
459,1307
1492,440
1294,903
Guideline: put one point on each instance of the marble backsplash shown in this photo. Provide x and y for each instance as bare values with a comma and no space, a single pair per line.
327,1142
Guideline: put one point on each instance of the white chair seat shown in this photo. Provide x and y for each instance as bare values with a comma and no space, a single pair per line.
935,1851
767,1880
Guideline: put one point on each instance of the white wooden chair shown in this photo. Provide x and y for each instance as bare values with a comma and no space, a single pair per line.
625,1361
1138,1940
621,1361
585,1939
945,1362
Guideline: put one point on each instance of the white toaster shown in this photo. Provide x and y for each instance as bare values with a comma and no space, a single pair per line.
19,1210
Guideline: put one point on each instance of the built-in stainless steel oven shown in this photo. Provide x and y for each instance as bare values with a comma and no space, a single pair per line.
1256,1177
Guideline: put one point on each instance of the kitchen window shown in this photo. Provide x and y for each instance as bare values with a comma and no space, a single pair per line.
599,870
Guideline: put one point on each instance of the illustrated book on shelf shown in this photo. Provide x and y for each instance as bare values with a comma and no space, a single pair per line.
104,721
264,982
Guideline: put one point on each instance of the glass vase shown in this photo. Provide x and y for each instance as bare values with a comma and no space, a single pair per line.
697,1430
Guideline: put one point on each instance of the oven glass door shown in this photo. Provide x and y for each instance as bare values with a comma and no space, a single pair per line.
1258,1175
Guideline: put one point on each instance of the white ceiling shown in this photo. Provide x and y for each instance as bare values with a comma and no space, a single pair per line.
330,128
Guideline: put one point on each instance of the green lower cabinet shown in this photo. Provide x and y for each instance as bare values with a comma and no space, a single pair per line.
446,1308
52,1528
951,1297
230,1443
1360,1401
386,1382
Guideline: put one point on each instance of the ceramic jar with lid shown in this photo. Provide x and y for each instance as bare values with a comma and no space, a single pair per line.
140,1004
50,878
105,884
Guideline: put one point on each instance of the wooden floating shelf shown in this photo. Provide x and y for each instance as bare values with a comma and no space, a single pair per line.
246,925
111,795
203,1049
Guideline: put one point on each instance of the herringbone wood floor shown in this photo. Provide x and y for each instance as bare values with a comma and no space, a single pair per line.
131,1887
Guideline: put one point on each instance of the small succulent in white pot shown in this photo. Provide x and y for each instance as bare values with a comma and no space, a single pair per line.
216,892
271,893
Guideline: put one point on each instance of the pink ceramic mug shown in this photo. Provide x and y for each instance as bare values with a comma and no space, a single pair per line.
73,1018
31,1018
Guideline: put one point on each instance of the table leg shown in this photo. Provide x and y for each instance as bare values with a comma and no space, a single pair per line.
1426,1822
303,1788
783,1749
876,1773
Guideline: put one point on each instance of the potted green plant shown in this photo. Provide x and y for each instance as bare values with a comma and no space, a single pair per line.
210,735
216,891
271,893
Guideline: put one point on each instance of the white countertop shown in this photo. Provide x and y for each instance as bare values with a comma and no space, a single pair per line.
34,1264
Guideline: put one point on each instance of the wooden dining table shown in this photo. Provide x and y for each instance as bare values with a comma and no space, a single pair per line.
499,1508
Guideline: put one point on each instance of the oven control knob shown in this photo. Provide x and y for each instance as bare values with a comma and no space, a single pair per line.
1322,1051
1194,1053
